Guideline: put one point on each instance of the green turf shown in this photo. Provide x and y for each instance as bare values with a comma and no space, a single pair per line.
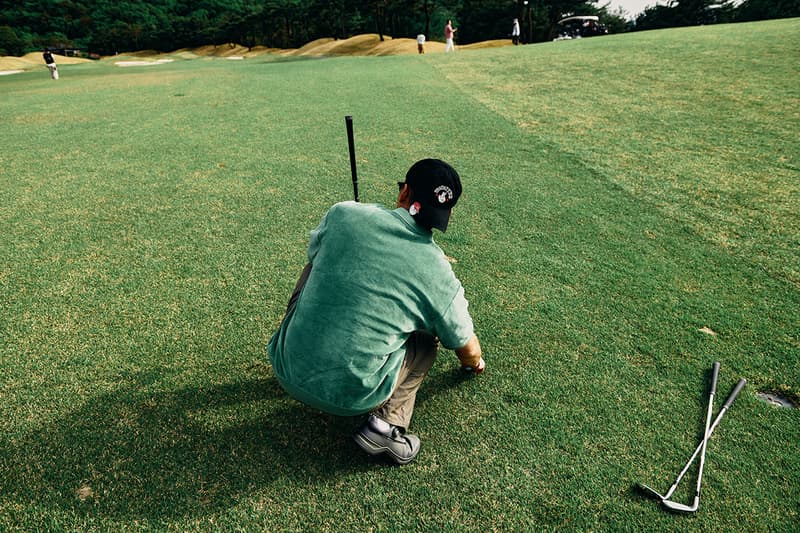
621,195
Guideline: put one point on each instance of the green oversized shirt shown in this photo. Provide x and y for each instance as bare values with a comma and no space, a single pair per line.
376,277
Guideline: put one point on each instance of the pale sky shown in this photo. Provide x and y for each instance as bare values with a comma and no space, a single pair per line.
632,7
635,7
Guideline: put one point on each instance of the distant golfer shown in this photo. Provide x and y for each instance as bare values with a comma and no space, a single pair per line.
515,32
365,320
51,63
421,43
449,31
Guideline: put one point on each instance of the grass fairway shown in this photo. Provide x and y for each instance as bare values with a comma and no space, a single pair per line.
630,216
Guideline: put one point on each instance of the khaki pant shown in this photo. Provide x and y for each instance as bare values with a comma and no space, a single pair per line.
421,350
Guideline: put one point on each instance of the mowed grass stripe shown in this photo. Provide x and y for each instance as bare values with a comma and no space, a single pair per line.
710,120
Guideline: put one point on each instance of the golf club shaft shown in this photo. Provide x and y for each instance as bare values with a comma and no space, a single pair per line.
704,444
351,144
726,405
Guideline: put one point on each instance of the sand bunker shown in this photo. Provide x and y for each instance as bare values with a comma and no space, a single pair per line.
33,61
142,63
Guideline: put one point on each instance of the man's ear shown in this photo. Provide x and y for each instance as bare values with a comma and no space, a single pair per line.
404,197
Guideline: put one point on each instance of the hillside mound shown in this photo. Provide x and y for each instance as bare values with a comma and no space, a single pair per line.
33,60
368,44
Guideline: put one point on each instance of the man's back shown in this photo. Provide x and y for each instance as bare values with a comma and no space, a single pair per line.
376,277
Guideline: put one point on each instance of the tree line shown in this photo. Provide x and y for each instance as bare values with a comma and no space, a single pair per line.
110,26
696,12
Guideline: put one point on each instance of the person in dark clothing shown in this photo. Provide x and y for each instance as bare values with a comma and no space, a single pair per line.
51,63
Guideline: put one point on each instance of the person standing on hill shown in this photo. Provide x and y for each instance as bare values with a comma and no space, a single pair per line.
50,62
421,43
515,32
377,297
449,31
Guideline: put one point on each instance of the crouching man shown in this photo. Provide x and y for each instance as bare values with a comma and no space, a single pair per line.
365,320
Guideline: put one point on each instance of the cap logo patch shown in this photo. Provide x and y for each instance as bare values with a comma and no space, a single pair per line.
443,194
414,209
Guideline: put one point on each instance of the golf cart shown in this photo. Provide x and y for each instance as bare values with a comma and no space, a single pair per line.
577,27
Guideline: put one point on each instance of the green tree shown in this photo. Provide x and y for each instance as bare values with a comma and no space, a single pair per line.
691,12
767,9
10,43
480,20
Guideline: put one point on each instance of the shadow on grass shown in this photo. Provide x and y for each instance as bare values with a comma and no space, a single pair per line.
145,453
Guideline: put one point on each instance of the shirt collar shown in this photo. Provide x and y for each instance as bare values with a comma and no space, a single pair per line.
409,220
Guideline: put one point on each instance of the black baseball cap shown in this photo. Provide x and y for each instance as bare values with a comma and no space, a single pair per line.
436,188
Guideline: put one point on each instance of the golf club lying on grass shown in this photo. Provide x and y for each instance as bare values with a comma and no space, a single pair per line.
674,506
665,497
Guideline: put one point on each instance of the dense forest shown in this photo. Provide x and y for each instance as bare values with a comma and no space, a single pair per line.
695,12
110,26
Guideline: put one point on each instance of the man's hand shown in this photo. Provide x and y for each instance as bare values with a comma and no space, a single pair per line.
471,356
477,370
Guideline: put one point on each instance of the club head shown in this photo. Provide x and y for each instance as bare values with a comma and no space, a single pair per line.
651,492
681,508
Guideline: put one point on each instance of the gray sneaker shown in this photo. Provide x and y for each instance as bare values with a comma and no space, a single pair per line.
401,447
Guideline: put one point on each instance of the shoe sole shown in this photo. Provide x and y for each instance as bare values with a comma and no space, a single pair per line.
374,448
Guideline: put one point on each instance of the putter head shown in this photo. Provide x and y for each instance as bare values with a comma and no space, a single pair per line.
681,508
651,492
